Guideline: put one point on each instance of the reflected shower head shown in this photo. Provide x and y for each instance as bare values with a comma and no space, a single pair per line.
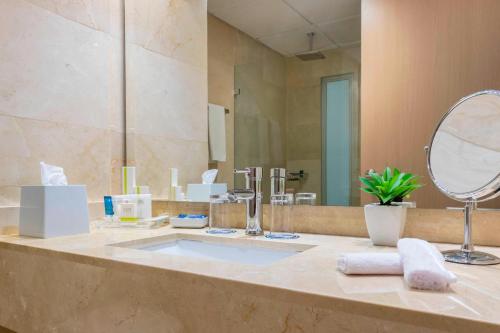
310,55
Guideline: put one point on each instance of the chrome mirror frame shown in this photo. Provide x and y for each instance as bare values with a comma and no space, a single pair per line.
466,254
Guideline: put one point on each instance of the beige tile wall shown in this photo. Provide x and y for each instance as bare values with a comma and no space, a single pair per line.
304,111
222,41
261,104
61,94
166,66
260,125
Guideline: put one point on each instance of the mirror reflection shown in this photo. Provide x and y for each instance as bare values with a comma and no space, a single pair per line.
292,88
465,151
299,86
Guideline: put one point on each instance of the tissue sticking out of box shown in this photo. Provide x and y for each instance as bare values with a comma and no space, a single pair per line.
52,175
208,177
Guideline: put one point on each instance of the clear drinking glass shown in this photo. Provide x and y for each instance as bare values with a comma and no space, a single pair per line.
280,226
218,219
305,199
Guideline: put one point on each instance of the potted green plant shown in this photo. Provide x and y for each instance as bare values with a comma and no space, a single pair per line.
386,219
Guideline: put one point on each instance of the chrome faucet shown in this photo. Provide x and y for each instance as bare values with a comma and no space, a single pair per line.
253,178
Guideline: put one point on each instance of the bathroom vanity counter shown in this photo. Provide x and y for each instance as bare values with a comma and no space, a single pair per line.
83,283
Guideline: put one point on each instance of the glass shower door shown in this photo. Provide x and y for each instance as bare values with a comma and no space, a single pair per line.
258,124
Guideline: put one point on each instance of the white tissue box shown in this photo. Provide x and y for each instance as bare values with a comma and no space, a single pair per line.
51,211
202,192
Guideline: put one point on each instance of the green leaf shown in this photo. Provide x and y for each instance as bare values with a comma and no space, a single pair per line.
387,174
367,183
367,190
389,186
396,181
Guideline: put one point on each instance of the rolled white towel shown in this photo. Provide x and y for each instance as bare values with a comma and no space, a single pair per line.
370,263
423,265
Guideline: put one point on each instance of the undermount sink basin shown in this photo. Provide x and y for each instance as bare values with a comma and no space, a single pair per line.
244,251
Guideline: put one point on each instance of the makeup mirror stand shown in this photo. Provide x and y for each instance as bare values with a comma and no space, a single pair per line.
467,255
458,140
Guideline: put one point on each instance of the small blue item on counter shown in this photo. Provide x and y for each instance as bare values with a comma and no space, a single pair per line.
108,206
191,216
189,221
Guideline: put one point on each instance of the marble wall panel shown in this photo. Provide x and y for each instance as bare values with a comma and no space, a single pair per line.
165,97
166,66
173,28
153,156
58,70
87,154
103,15
61,95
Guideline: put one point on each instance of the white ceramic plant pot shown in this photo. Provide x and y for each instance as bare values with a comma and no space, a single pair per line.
385,223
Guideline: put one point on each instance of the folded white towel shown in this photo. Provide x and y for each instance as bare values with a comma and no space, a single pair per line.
423,265
370,263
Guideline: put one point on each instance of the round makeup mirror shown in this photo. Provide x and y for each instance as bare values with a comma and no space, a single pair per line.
463,160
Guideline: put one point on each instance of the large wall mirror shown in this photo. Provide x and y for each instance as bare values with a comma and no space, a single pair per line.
303,87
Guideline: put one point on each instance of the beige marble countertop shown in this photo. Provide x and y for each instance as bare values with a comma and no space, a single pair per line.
311,273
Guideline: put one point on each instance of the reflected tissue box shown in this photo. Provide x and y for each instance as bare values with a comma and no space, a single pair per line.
202,192
51,211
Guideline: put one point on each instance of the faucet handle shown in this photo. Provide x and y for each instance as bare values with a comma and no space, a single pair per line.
240,195
254,173
245,171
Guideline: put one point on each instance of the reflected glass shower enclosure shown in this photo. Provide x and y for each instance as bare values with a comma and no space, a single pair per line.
340,141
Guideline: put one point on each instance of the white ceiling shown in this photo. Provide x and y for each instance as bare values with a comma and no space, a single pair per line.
283,24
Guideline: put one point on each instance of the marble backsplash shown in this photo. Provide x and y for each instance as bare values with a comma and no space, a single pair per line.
434,225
